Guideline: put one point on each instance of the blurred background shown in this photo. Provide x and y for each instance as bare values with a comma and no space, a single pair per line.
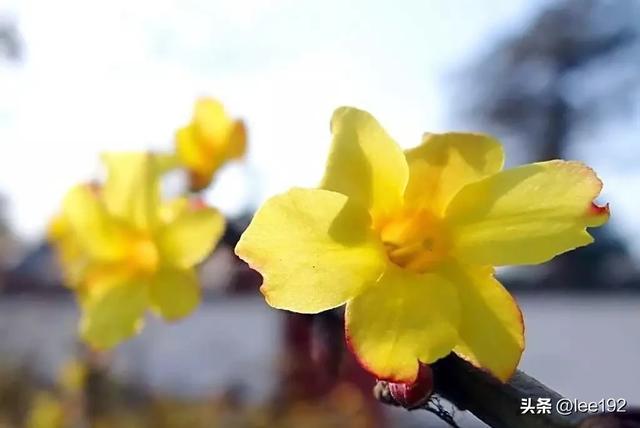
552,79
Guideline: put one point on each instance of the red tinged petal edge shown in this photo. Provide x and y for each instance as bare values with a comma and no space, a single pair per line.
597,215
596,210
365,365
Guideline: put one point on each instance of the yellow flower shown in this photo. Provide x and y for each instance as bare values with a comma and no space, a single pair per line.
72,376
210,140
136,251
408,241
46,411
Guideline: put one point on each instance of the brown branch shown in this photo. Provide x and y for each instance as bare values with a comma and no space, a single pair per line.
498,405
495,403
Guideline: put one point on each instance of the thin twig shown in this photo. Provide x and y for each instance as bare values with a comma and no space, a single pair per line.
435,406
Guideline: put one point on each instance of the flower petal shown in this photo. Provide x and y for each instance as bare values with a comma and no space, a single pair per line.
403,319
237,140
444,163
175,293
72,258
112,310
492,329
132,188
212,122
166,162
211,139
191,235
88,222
365,163
314,249
526,215
190,151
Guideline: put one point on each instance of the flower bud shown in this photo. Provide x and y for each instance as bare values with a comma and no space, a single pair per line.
411,395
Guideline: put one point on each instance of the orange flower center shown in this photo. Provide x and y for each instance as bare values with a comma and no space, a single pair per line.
415,240
143,257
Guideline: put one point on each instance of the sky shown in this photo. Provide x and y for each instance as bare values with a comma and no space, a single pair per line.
123,75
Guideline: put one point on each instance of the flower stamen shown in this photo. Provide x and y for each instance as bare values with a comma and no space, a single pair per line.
415,240
144,256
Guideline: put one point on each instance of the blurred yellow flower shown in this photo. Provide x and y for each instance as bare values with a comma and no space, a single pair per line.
46,411
131,250
210,140
408,240
72,376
